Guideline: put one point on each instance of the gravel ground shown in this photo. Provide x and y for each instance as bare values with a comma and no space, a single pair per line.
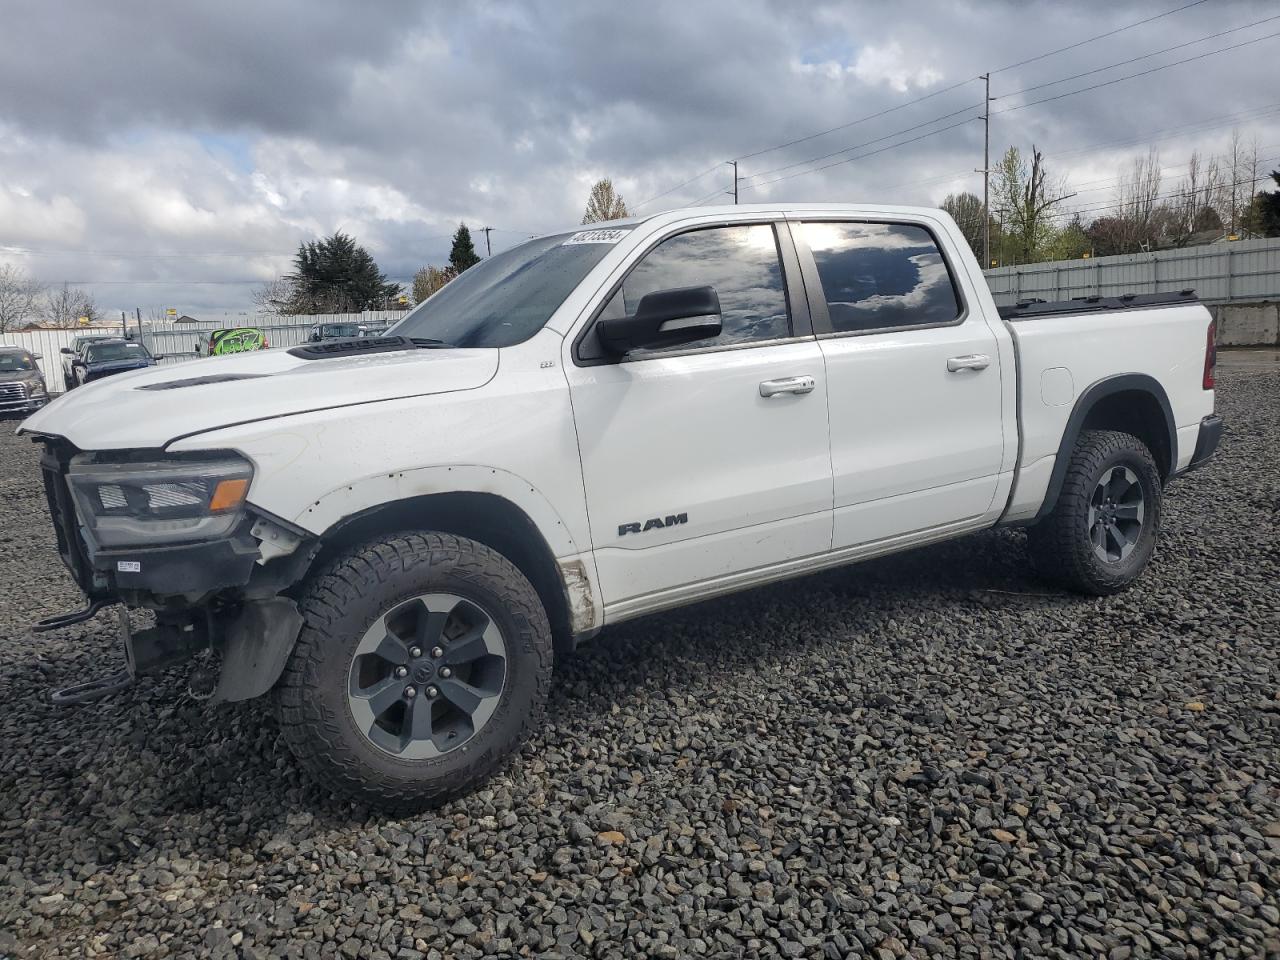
927,755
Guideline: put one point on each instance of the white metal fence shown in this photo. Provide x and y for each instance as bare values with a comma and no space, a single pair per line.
178,343
1238,271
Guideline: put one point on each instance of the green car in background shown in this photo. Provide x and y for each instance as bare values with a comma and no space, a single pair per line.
219,343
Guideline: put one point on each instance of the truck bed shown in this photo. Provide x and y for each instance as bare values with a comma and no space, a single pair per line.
1032,309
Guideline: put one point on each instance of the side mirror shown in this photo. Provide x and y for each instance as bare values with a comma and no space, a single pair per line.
37,356
664,318
68,351
157,356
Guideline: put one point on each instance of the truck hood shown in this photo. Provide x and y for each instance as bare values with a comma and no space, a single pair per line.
18,376
150,408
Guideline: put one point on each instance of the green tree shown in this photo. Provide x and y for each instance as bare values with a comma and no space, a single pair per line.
603,203
462,255
337,275
430,279
1069,243
1026,195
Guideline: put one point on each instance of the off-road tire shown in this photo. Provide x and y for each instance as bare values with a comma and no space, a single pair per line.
339,605
1060,543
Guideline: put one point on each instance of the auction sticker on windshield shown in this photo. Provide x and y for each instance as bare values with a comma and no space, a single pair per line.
595,236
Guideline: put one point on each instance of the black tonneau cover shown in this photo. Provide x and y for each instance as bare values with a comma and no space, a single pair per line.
1030,309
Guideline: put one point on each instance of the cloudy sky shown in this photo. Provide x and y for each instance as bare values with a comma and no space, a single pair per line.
174,154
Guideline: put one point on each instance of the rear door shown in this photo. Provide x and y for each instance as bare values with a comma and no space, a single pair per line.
913,380
710,459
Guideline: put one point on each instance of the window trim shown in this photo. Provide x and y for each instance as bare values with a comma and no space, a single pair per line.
793,289
818,310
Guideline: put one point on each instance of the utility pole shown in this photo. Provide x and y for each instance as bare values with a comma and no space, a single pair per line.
986,175
734,163
488,250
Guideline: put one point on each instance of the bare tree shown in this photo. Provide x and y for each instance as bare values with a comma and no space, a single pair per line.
1136,199
19,295
64,306
1240,167
273,296
1026,197
604,203
1199,197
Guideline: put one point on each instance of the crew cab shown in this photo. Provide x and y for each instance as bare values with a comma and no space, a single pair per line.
397,534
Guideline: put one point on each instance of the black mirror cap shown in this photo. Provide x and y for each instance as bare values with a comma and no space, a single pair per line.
665,318
68,351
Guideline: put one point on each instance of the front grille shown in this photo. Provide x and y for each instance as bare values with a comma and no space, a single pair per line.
12,392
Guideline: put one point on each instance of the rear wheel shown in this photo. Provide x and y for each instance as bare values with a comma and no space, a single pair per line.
423,665
1102,531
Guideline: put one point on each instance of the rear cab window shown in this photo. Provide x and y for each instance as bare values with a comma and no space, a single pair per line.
880,276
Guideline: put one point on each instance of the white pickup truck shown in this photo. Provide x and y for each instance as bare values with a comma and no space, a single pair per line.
397,534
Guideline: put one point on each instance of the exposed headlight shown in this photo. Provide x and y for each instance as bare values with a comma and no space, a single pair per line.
126,504
35,388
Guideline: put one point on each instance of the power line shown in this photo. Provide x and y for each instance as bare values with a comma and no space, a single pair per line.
867,143
1145,56
1141,73
678,186
860,156
1100,36
929,96
1019,107
870,116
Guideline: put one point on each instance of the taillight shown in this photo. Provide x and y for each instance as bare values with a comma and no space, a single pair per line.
1210,356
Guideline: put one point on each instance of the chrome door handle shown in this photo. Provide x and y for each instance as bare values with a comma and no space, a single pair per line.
797,385
974,361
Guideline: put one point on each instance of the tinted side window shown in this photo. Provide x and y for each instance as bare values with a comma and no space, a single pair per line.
877,275
741,262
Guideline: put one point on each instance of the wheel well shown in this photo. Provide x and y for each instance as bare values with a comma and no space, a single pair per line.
1139,413
484,517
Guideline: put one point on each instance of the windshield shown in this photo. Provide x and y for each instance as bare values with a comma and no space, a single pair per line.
13,362
507,298
103,352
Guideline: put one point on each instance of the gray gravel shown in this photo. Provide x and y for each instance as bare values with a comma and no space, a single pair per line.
931,755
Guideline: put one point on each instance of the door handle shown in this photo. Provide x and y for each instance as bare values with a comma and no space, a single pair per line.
973,361
796,385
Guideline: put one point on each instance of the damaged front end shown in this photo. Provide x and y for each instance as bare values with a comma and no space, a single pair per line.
174,534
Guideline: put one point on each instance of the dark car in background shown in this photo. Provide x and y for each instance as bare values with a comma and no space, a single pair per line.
22,386
69,354
102,358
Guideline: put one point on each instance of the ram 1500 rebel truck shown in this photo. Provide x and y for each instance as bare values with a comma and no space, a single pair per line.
397,534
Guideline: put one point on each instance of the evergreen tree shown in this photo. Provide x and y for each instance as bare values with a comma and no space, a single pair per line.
337,275
1265,210
463,252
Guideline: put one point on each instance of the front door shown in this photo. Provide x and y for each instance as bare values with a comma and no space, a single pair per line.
710,459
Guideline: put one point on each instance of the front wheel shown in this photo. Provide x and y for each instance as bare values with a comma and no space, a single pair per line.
423,664
1102,531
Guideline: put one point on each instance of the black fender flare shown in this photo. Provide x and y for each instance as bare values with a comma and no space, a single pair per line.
1084,404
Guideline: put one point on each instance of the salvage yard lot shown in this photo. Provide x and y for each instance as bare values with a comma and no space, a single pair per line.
929,755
